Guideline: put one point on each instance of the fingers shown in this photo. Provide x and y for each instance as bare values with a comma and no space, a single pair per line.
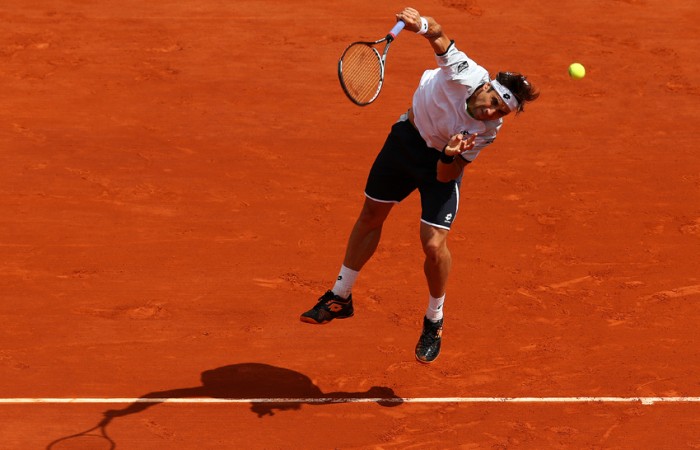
410,17
460,143
468,142
455,140
410,13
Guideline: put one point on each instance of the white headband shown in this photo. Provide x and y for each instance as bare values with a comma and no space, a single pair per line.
507,96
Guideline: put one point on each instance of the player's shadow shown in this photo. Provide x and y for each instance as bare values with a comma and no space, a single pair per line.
261,383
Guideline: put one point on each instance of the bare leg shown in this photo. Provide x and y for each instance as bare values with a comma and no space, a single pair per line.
366,233
362,244
438,260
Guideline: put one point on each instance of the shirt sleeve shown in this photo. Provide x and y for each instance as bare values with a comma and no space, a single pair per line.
457,66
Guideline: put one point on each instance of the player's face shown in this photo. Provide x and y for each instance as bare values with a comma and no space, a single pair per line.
486,104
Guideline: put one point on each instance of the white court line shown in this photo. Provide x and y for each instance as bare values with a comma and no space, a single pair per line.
208,400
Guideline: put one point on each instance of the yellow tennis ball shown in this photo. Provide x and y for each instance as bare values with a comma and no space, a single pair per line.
577,71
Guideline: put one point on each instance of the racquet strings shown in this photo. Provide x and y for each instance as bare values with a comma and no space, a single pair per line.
361,72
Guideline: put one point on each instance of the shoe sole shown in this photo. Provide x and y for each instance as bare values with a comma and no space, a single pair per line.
314,322
422,361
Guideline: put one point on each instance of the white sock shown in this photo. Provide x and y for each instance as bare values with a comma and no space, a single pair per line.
434,312
346,279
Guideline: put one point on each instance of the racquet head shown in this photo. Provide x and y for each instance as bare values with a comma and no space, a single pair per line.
361,73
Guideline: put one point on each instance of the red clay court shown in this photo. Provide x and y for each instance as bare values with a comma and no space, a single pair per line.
179,179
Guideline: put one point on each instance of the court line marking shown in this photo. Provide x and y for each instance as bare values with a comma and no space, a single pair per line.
321,400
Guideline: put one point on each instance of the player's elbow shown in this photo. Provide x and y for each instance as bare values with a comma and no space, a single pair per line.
442,178
448,172
445,175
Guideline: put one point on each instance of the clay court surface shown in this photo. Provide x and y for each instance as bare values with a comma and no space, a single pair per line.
179,179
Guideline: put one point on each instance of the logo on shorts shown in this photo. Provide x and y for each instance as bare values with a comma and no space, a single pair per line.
448,218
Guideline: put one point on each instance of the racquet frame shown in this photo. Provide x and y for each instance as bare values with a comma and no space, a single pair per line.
389,38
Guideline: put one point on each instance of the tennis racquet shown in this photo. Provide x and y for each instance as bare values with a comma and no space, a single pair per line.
361,68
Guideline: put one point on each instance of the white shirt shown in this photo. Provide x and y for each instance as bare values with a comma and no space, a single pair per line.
440,103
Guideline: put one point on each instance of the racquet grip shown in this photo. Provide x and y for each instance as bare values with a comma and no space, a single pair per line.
396,30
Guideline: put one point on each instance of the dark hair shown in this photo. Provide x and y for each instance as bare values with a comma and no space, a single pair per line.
519,86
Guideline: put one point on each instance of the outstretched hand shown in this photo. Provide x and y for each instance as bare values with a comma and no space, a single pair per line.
411,18
426,26
460,143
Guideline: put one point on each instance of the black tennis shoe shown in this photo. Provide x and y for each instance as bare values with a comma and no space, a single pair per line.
329,307
428,346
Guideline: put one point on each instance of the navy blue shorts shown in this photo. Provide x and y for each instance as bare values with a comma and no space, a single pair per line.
405,164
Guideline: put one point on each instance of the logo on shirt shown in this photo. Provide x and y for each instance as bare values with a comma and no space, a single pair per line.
464,65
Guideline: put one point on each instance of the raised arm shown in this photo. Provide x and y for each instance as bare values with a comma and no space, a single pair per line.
437,38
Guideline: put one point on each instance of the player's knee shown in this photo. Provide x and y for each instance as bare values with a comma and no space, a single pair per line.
373,214
435,250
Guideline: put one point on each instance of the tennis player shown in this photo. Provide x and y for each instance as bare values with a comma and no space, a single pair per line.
457,111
